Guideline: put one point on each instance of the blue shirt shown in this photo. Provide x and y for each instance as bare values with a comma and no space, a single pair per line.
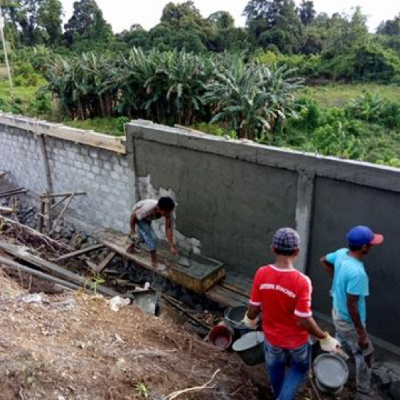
349,278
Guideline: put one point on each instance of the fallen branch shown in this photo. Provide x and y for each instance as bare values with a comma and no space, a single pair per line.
206,386
49,241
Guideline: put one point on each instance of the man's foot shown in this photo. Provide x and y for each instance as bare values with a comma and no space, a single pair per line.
133,248
158,266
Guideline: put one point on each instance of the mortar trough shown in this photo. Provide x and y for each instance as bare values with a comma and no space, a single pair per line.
250,348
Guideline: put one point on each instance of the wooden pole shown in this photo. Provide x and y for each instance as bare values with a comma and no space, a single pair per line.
46,165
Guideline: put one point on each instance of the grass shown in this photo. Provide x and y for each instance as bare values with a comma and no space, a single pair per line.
336,95
107,126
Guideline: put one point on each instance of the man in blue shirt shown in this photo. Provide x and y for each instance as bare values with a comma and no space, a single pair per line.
349,289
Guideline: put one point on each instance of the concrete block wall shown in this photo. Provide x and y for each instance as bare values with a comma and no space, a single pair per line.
102,174
20,156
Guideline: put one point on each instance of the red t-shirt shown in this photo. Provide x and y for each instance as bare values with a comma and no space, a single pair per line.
283,295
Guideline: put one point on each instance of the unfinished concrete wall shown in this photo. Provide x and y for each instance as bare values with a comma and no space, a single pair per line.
101,173
339,206
231,207
232,197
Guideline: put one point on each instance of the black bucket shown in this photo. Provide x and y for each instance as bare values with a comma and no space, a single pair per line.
250,348
234,316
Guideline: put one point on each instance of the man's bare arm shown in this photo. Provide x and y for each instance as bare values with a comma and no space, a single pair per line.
169,233
327,265
352,305
311,327
132,223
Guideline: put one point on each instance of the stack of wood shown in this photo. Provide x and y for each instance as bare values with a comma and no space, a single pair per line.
14,255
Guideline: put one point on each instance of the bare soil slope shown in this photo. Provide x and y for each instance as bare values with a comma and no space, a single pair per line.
72,346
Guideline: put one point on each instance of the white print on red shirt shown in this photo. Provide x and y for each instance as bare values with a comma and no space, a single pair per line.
271,286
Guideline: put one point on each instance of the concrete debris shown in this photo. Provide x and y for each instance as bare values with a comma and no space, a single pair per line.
117,303
32,298
69,304
395,390
386,373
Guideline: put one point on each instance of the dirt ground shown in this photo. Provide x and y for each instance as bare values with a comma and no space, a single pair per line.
72,346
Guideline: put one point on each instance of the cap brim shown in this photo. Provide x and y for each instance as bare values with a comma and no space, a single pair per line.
377,240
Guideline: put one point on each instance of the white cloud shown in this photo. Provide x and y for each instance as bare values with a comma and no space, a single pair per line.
124,13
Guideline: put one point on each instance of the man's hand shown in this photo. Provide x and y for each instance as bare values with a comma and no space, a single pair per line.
250,323
329,344
173,250
363,339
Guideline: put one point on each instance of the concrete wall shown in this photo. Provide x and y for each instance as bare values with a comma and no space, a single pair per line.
232,197
103,174
232,207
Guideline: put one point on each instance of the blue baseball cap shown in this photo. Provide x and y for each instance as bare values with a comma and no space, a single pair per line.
362,235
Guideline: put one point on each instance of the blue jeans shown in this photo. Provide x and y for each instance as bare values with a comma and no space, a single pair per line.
285,385
147,235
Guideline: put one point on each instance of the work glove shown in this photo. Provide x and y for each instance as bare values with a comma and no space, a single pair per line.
250,323
329,344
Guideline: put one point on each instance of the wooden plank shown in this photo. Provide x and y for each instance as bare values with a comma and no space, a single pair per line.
58,219
12,193
6,210
23,254
59,131
99,268
14,265
80,252
54,195
237,283
2,174
226,297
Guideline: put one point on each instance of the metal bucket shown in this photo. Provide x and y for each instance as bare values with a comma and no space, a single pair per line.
331,373
250,348
234,316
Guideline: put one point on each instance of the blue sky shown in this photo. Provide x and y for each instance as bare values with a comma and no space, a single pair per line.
124,13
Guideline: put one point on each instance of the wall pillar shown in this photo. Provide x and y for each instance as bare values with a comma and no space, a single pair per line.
304,208
132,176
46,166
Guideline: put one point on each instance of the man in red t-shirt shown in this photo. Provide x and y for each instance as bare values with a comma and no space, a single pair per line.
283,294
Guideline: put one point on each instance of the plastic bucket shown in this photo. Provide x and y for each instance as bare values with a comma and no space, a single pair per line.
221,336
250,348
234,316
331,373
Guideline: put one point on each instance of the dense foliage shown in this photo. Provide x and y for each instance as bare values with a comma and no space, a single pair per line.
207,73
175,87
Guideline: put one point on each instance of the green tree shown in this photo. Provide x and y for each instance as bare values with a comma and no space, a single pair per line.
307,12
390,27
23,16
275,22
50,20
87,27
136,36
222,20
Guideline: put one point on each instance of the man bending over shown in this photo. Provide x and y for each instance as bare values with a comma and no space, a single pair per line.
143,213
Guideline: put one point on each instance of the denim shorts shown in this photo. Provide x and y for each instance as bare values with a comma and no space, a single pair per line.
147,235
